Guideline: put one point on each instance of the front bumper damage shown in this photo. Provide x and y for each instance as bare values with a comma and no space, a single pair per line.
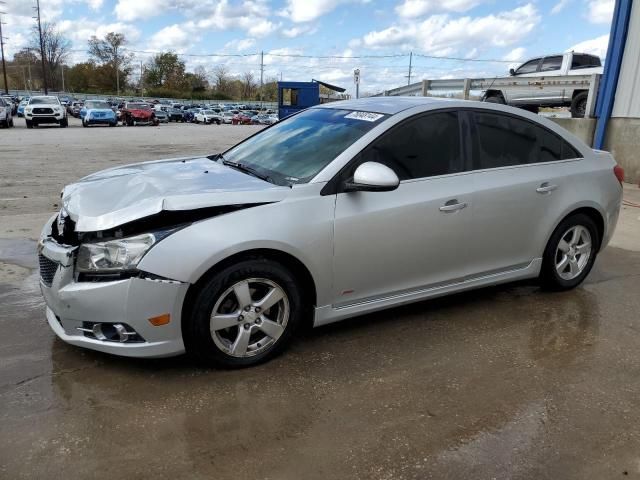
75,307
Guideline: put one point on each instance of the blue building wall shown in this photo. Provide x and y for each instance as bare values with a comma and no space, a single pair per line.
296,96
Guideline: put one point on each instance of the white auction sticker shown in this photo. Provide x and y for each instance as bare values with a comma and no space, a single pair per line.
366,116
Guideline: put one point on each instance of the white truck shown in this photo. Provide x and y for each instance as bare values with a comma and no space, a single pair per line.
531,96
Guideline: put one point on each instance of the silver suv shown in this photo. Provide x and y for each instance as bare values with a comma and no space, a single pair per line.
343,209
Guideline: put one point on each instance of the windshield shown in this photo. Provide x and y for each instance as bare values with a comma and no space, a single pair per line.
297,148
43,100
96,104
138,106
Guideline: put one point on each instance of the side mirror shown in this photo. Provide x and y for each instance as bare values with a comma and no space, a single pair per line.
373,177
512,72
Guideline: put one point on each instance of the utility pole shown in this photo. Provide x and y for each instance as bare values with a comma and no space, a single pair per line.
261,74
44,68
4,65
62,73
410,61
356,80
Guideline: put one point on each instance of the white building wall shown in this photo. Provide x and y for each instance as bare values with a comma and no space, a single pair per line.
627,102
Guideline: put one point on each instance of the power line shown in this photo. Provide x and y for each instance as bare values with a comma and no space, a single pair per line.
321,57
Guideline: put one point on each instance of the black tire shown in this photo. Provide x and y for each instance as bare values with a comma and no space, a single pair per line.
549,276
11,123
196,328
84,124
64,123
495,99
579,105
29,124
531,108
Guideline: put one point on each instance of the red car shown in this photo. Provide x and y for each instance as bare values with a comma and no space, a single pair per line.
241,119
136,113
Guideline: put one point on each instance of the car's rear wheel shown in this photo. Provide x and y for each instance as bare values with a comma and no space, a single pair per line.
570,253
64,123
29,124
244,314
579,105
495,99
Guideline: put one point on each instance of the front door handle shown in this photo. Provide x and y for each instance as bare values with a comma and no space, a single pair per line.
546,187
453,206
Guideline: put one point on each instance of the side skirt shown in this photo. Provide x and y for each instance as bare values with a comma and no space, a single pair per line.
333,313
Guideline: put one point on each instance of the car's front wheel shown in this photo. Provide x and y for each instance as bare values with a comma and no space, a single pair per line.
570,253
244,314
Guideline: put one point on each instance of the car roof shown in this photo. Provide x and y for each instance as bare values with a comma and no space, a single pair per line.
386,105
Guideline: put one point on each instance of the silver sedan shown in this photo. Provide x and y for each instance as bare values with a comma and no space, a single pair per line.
343,209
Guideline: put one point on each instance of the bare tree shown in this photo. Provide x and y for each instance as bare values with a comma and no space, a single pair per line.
56,49
222,79
248,86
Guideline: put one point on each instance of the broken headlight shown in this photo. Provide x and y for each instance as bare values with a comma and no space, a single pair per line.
115,255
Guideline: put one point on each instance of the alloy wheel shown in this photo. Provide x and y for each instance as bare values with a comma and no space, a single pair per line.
573,252
249,317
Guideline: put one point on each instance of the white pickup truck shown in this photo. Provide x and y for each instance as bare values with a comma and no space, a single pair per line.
532,96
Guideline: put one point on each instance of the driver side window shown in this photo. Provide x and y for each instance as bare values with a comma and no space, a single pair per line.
420,147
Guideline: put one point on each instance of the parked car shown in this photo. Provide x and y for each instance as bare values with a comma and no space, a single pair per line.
241,119
45,109
138,113
189,115
175,115
208,116
343,209
531,96
12,103
21,106
97,112
74,108
6,114
227,117
263,119
162,116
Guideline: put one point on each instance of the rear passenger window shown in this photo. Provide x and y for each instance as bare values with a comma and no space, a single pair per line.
503,141
585,61
551,63
425,146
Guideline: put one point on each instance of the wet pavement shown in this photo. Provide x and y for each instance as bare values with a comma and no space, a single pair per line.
506,382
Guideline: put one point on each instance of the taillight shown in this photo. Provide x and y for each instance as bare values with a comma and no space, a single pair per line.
618,171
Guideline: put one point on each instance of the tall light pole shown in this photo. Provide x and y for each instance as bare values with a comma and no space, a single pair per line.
4,65
44,68
356,80
261,76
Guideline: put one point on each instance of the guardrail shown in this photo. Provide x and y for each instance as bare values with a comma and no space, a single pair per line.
466,85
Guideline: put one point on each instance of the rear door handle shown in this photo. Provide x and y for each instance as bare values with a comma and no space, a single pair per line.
452,206
546,188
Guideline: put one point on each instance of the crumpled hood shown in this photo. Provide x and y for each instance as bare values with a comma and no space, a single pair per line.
116,196
139,113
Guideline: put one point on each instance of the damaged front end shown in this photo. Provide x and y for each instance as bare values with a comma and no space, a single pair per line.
89,253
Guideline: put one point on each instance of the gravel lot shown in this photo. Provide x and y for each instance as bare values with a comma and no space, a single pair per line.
506,382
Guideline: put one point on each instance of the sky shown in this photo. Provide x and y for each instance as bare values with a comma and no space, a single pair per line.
374,36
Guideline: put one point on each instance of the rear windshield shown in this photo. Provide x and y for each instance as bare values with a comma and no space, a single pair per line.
297,148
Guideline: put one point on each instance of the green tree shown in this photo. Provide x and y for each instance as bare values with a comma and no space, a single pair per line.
115,63
167,71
